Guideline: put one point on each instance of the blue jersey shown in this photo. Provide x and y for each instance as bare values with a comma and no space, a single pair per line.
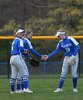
28,45
69,45
17,46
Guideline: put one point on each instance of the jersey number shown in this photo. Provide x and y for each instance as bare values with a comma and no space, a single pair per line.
68,49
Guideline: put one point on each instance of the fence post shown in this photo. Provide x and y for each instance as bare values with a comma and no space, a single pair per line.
79,61
8,59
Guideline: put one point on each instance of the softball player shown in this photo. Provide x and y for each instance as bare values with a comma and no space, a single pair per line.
18,65
28,45
71,48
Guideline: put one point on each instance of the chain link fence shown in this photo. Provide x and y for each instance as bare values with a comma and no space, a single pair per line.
50,68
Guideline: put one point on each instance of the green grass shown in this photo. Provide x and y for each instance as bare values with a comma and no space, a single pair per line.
43,90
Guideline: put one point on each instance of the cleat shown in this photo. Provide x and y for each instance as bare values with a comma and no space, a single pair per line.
12,92
27,90
75,90
19,91
58,90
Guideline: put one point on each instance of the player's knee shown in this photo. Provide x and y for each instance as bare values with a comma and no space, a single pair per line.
14,76
25,78
12,81
19,80
74,75
63,75
27,74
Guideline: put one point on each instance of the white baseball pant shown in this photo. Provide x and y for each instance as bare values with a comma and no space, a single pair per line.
66,66
18,66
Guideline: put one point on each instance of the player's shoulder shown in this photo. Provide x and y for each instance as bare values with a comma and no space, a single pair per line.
26,40
70,38
73,40
60,41
17,39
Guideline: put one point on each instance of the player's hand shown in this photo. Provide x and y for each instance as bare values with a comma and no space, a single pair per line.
44,57
72,60
26,51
